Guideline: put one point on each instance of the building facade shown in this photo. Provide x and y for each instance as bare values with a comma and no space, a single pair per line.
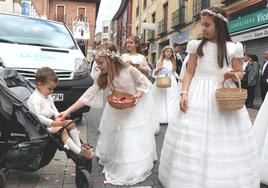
78,15
164,22
106,31
121,24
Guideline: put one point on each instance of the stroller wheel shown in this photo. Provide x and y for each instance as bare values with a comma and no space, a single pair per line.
83,179
2,179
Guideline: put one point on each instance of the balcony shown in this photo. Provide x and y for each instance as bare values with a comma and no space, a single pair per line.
178,18
226,2
162,27
150,36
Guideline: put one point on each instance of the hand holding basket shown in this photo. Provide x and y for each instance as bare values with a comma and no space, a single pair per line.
231,98
121,100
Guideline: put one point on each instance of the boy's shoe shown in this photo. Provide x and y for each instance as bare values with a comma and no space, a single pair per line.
88,154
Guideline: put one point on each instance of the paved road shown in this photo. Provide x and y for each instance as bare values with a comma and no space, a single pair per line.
60,171
93,119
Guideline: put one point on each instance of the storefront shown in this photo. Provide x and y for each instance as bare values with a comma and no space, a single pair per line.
252,32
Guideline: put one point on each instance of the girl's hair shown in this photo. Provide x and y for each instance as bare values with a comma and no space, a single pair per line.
136,40
162,57
115,64
45,75
222,34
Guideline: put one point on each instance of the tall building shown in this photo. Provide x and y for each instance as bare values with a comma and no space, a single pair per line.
106,31
121,24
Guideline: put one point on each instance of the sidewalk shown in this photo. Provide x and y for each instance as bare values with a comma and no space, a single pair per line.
60,172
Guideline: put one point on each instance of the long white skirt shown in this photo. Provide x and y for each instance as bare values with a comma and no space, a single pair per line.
207,147
166,101
126,146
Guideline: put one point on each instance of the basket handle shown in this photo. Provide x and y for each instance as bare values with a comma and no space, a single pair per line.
238,79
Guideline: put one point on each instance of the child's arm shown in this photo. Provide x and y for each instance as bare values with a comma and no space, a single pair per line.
143,85
93,96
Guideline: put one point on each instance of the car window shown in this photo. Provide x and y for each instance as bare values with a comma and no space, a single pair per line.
31,31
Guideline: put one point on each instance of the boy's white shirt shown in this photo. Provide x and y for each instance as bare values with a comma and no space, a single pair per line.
43,107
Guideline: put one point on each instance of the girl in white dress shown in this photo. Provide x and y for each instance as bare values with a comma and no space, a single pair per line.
134,55
260,133
205,146
165,98
126,145
139,61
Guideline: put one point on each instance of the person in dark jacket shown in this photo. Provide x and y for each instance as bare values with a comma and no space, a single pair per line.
264,76
251,76
178,52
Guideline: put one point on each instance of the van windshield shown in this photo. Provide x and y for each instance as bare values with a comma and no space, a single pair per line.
32,31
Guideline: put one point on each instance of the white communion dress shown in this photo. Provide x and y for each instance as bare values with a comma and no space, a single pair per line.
208,147
166,99
260,133
126,145
136,59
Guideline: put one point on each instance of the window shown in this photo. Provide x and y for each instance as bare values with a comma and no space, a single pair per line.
144,4
137,11
81,13
198,5
60,17
137,30
105,29
153,17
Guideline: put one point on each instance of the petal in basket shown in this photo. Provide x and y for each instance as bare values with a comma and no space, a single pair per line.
121,100
231,98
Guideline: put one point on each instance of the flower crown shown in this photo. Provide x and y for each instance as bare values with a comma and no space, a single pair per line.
106,52
218,15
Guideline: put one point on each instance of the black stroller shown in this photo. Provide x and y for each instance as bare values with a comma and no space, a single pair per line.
25,143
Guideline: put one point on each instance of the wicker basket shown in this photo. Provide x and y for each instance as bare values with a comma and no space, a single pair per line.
163,82
231,98
120,95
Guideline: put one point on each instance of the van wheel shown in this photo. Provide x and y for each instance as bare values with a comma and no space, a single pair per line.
83,179
2,179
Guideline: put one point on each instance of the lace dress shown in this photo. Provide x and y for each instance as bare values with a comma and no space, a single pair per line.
207,147
166,99
126,145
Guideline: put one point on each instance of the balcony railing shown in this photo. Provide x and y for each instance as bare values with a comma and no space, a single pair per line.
162,27
150,36
178,18
228,1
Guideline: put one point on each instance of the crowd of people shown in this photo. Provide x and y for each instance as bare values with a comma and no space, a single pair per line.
204,146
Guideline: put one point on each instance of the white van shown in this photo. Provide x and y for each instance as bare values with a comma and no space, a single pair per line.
28,43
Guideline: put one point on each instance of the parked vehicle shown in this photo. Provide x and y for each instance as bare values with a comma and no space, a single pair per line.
25,143
28,43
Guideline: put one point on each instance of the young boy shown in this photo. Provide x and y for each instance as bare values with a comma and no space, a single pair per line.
41,103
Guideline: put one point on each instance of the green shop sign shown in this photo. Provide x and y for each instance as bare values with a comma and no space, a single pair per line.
249,21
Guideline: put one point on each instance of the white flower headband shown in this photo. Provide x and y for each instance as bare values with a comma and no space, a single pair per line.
106,52
218,15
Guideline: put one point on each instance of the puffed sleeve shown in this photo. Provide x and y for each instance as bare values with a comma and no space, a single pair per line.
239,50
142,83
192,46
145,63
93,96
